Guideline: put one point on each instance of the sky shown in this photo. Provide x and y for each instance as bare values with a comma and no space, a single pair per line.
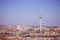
27,12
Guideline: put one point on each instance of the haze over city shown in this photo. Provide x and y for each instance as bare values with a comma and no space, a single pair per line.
26,12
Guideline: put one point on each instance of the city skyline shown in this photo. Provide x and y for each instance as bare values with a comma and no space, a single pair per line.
27,12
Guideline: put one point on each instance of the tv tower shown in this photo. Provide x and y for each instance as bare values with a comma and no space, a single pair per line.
40,22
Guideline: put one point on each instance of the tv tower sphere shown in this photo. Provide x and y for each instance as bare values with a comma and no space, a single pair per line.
40,17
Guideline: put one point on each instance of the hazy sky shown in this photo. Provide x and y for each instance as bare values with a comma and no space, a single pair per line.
26,12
